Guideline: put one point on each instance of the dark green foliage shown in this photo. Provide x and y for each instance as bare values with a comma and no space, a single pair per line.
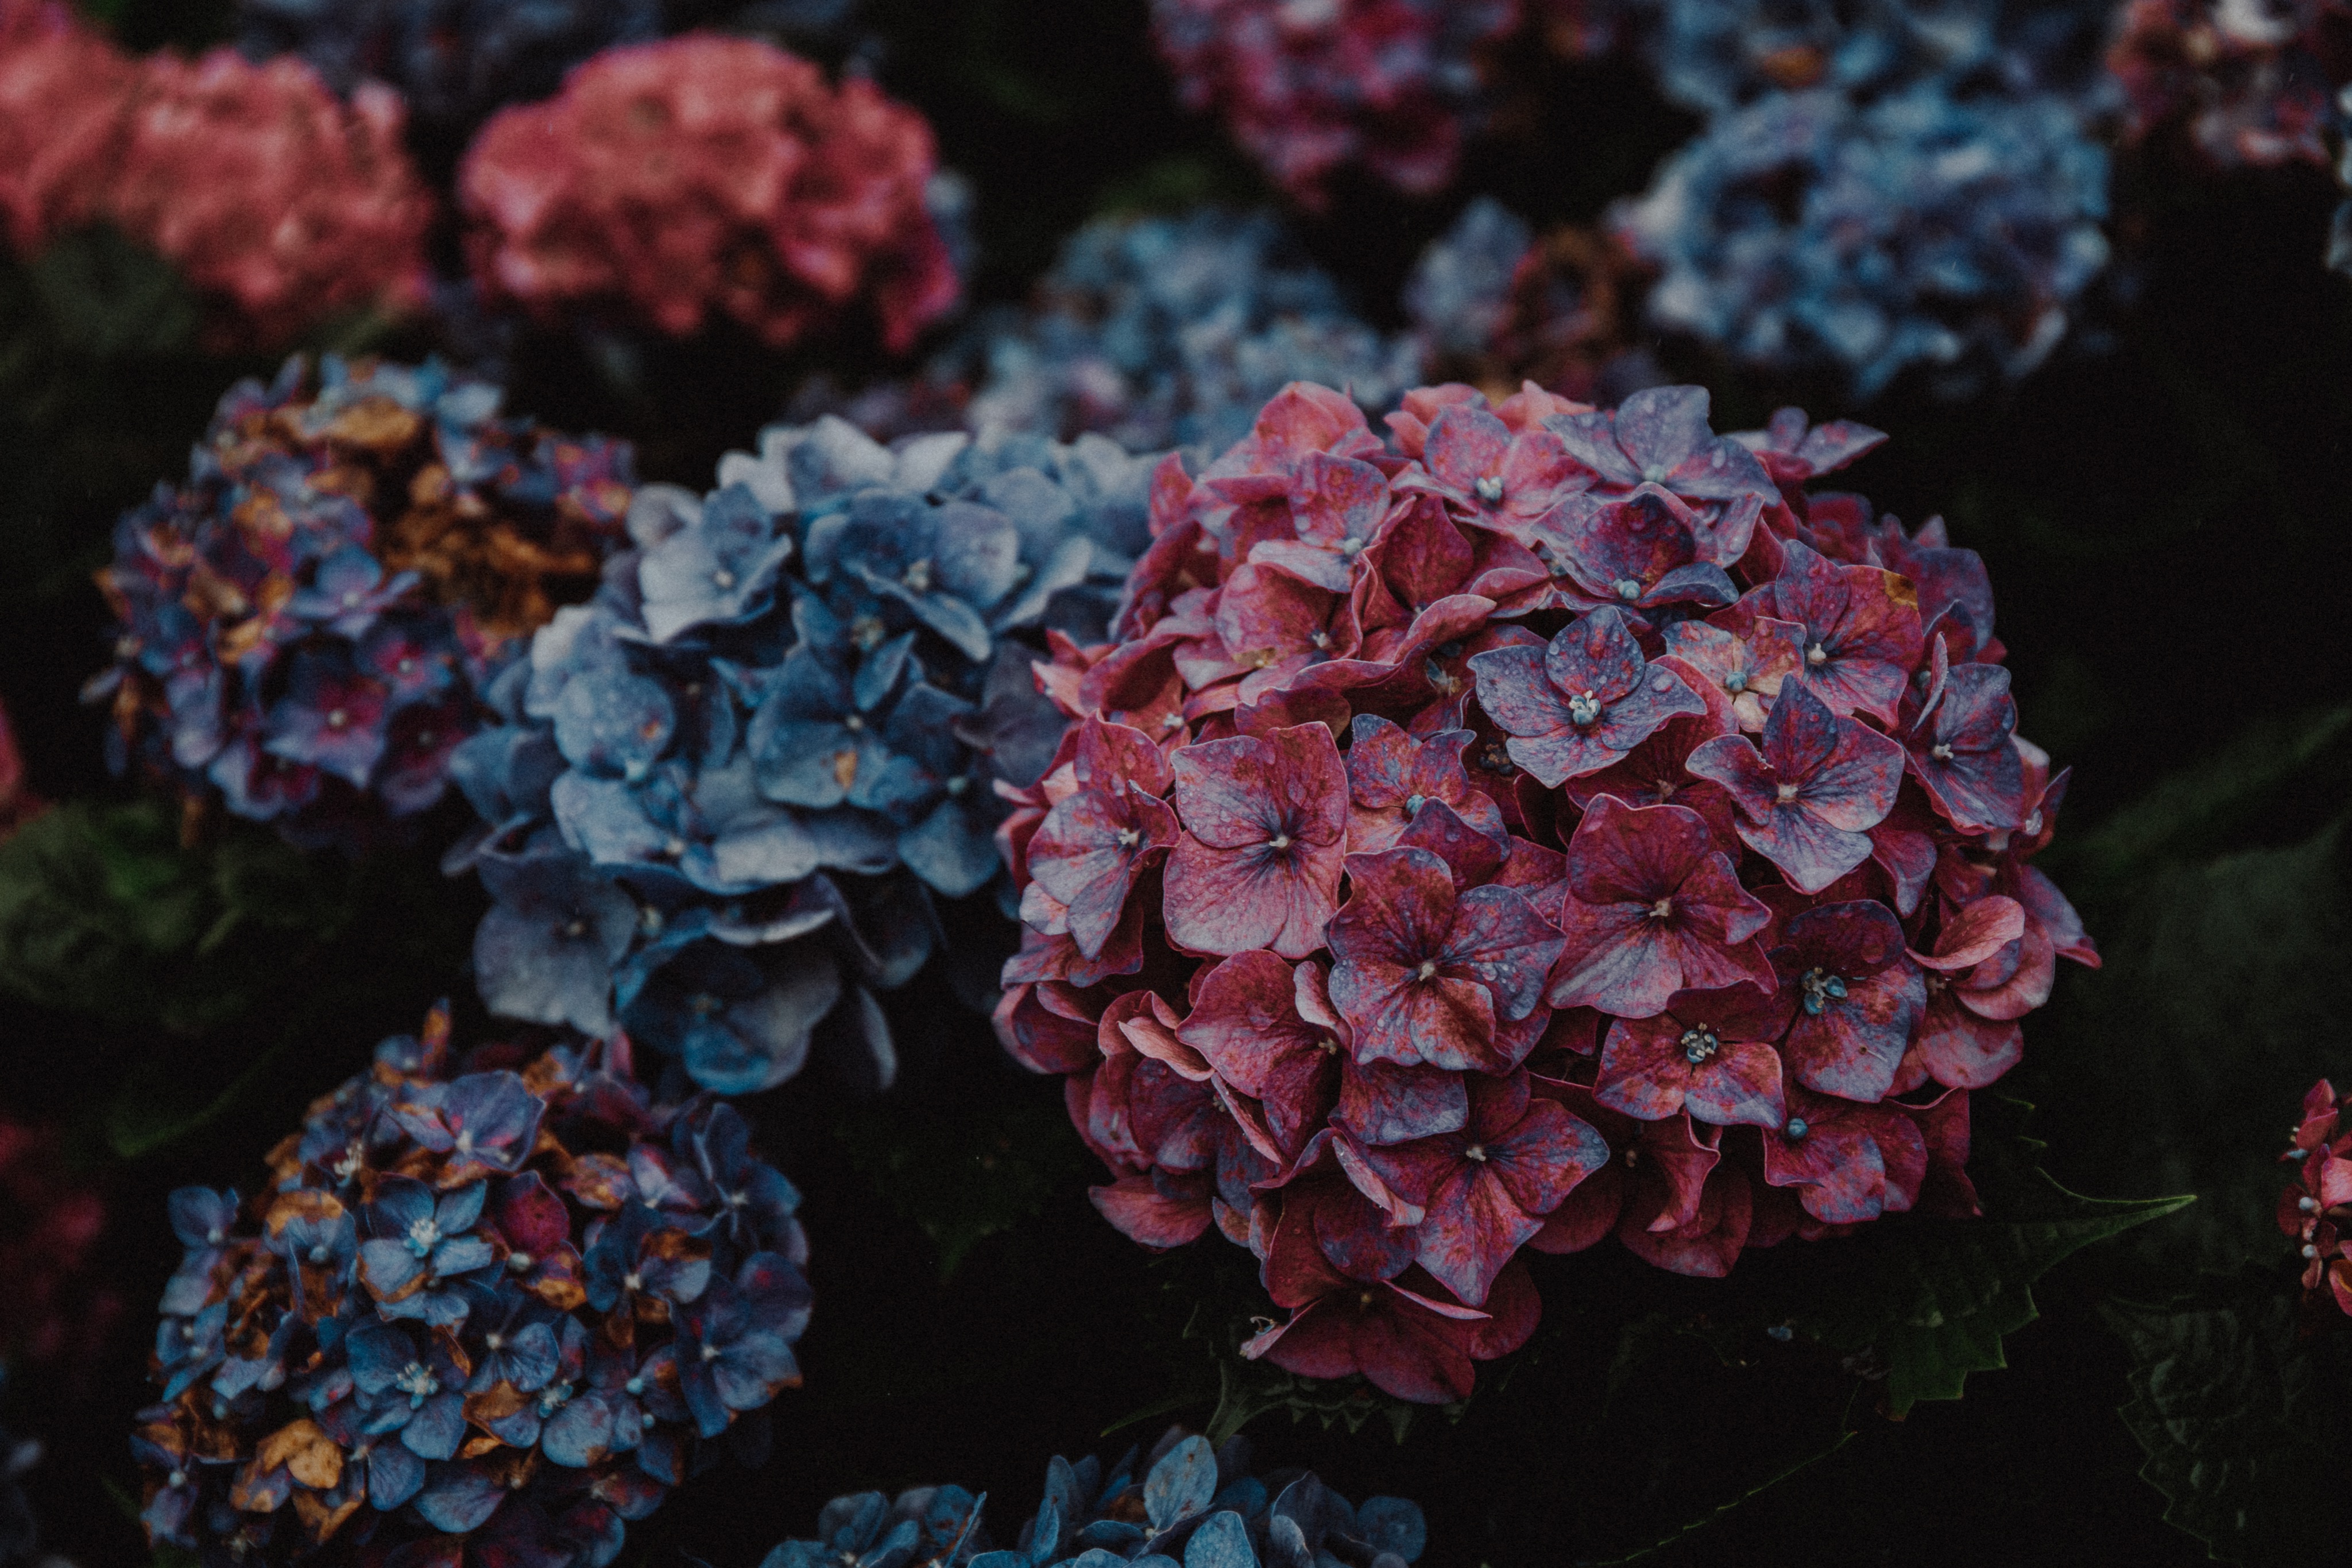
2242,1408
102,910
1929,1302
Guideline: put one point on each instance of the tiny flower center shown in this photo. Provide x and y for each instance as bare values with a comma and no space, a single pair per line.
1489,488
319,1253
634,1386
1941,751
1655,473
1822,988
1130,837
1475,1152
1785,793
633,1281
1795,1129
337,719
710,1352
1279,841
918,575
575,929
466,1143
1663,910
2307,1205
1698,1044
1351,547
554,1398
495,1341
1817,656
520,1262
417,1381
407,665
1583,708
854,723
1428,971
1320,639
866,632
1735,683
1413,803
673,847
422,1236
1626,588
1328,1045
176,1479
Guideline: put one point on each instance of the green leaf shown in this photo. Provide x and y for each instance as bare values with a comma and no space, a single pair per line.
1929,1300
2245,1420
2220,795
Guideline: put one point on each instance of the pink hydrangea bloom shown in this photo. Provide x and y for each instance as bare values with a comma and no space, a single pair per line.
62,92
279,202
1307,86
706,175
1404,896
266,190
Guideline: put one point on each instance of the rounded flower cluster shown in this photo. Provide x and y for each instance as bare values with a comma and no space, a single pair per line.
706,174
1496,305
1804,231
1712,55
1555,823
1309,86
2250,84
2314,1208
1187,1503
453,61
59,1310
305,622
1165,331
515,1303
281,205
776,732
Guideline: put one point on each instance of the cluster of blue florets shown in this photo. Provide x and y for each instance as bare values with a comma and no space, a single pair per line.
514,1305
305,623
1878,188
1186,1503
728,788
1173,331
1805,230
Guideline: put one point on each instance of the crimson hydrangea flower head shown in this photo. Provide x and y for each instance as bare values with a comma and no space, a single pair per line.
704,175
1309,86
1670,883
499,1312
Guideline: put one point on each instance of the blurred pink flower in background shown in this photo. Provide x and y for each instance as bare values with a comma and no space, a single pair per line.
705,173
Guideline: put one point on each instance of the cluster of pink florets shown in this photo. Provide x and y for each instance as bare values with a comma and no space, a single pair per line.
1306,86
279,202
1546,824
2312,1209
706,174
2251,83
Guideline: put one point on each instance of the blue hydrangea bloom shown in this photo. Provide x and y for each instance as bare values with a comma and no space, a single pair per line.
1953,235
520,1306
295,643
1459,292
1185,1505
1173,331
455,61
726,789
